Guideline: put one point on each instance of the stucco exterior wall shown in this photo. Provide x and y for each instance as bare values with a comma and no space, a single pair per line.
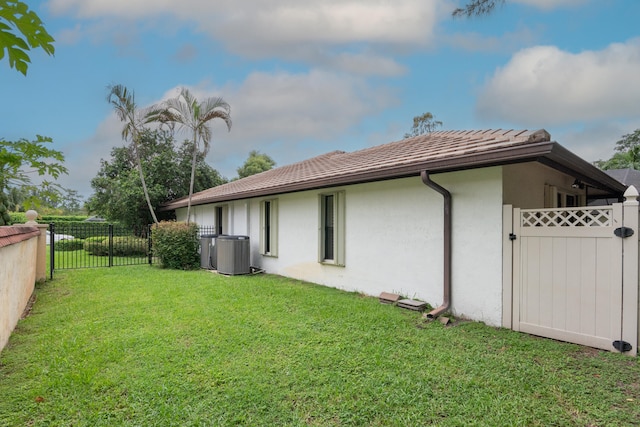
394,240
524,184
201,214
394,234
17,281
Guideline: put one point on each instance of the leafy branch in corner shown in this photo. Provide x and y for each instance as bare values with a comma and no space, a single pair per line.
21,30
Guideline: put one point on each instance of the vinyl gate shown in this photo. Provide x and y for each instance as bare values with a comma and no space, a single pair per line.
575,275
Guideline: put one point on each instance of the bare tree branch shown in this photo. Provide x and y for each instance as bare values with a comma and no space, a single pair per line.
477,8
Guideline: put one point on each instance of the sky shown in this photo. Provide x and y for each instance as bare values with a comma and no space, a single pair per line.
307,77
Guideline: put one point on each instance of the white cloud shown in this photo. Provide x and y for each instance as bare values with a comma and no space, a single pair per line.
288,116
282,114
369,64
288,28
507,42
595,141
333,21
551,4
82,158
329,22
186,53
544,85
70,35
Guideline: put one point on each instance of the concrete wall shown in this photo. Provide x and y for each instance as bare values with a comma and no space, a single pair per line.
19,270
394,240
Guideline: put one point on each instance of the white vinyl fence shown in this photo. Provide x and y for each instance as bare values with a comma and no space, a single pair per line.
574,274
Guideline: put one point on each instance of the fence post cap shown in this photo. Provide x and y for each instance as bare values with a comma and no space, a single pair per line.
31,216
631,196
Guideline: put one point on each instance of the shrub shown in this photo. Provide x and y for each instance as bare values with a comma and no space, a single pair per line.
96,246
129,246
18,217
95,239
5,217
122,246
176,245
69,245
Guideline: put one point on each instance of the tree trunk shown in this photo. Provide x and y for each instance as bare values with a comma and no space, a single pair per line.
193,176
144,183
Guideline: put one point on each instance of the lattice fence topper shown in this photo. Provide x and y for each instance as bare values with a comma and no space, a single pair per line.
567,217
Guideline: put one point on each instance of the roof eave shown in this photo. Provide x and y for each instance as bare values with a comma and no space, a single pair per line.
551,154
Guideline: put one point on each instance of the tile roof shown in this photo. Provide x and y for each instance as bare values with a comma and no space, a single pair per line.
437,152
15,234
626,176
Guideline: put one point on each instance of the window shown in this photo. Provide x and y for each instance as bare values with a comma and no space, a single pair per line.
269,227
221,213
331,230
560,198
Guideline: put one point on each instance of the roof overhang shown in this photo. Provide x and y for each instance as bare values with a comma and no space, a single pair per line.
548,153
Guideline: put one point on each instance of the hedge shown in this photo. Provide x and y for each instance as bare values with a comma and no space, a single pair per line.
69,245
20,218
122,246
82,230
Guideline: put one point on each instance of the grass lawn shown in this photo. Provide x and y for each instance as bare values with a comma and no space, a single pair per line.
143,346
83,259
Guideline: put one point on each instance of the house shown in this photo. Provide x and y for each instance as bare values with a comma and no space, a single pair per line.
626,176
421,217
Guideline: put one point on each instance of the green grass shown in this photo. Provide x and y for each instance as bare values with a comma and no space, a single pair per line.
141,346
83,259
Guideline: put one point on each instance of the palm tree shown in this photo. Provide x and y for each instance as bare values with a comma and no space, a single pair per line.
189,114
124,104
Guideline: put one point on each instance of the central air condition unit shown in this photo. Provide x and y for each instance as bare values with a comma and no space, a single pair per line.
208,251
233,255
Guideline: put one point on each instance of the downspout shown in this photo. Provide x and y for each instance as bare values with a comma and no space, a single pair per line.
447,245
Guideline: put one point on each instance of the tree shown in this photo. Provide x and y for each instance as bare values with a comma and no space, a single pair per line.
71,202
423,124
5,218
124,104
117,192
19,159
255,163
627,153
15,198
194,116
477,8
21,30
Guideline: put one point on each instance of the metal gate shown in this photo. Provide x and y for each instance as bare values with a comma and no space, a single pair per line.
92,245
575,275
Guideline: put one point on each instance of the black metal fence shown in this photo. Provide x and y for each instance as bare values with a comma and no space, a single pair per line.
206,230
87,245
91,245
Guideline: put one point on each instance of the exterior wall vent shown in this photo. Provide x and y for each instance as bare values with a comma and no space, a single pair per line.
233,255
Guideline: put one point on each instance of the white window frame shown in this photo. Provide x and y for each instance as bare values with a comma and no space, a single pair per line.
557,198
339,220
221,219
269,227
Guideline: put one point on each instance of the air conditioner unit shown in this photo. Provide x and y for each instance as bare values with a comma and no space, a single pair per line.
208,251
233,255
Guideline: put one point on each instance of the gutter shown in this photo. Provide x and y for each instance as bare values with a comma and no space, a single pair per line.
447,245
